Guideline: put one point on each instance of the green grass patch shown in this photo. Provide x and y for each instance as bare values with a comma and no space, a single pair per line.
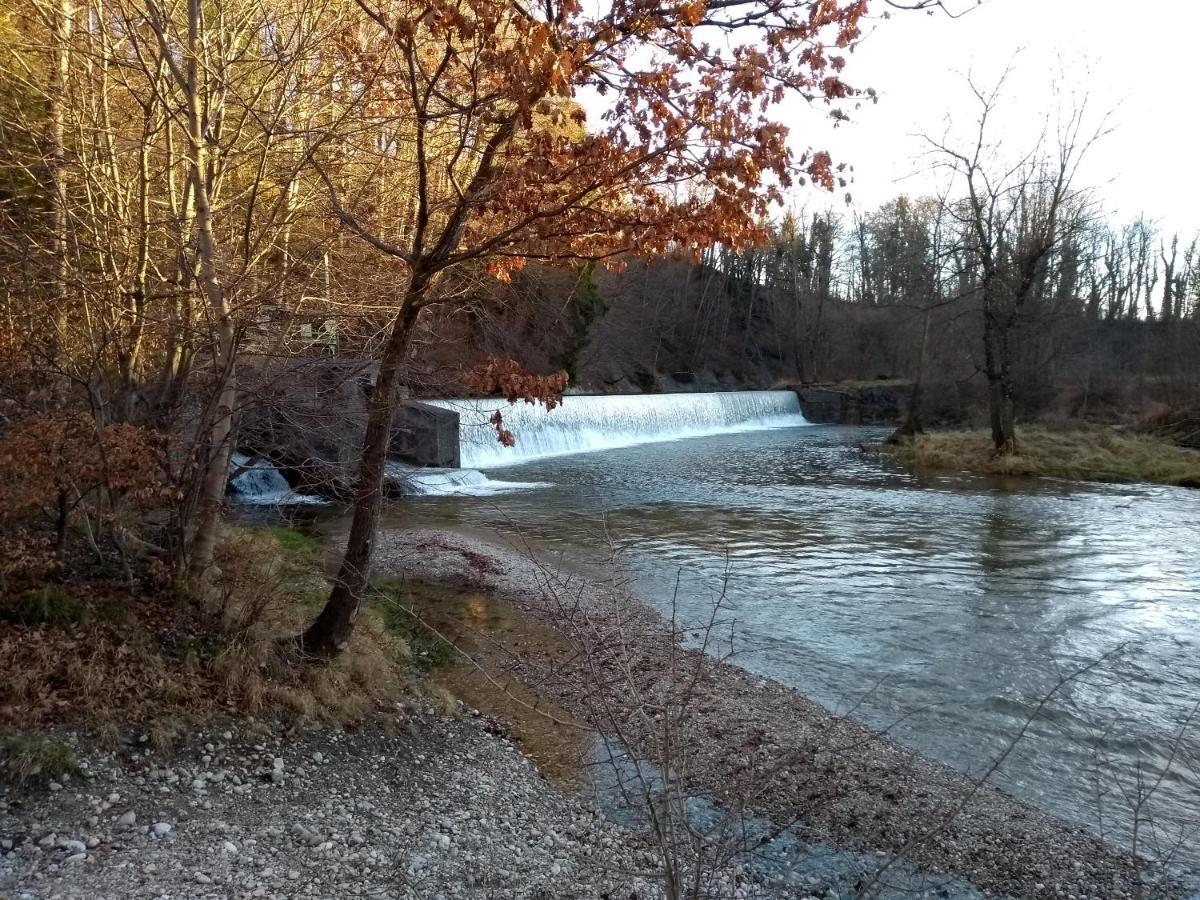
410,612
294,543
36,761
46,605
1078,453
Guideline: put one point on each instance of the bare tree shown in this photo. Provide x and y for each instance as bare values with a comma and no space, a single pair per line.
1015,213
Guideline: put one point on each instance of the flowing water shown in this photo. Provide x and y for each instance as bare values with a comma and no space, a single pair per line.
944,608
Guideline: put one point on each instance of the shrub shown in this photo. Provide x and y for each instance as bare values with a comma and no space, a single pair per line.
48,605
34,761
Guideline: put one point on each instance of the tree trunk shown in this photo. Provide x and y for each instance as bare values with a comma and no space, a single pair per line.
332,628
56,162
214,472
998,366
911,426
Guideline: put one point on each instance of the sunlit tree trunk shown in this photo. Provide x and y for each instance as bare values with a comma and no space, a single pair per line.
215,448
62,19
332,628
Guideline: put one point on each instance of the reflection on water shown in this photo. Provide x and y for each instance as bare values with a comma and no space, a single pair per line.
953,604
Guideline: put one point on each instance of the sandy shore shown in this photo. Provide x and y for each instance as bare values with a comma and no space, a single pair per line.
754,745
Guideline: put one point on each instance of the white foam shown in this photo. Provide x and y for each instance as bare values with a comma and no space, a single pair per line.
449,482
584,424
259,483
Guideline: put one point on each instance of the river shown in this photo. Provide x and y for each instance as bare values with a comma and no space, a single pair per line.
944,608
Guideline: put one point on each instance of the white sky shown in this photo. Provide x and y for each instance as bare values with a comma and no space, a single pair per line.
1139,59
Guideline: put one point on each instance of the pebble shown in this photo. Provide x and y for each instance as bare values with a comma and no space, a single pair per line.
359,824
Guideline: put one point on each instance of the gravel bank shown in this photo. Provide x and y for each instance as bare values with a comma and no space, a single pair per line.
756,744
443,808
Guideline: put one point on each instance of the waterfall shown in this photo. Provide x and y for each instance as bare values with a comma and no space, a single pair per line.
259,483
587,423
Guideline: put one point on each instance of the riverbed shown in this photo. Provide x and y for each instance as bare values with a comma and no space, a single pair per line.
957,612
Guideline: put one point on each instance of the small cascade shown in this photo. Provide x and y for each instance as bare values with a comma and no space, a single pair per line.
257,482
587,423
412,481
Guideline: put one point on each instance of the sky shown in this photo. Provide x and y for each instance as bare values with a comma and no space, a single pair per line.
1137,60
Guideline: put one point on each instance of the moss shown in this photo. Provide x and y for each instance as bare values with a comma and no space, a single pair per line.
1079,454
47,605
35,761
294,543
402,608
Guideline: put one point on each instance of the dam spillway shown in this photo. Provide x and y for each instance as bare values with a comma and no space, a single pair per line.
587,423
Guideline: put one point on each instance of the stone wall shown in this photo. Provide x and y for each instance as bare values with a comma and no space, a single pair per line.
425,435
855,404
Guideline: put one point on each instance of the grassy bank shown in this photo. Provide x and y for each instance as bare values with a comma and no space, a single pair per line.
115,655
1084,454
114,659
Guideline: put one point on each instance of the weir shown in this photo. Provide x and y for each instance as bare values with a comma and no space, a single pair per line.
601,422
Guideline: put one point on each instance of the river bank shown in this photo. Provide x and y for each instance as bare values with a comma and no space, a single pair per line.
1081,453
455,801
752,744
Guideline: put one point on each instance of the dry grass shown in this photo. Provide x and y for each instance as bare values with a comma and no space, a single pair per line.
102,655
1083,454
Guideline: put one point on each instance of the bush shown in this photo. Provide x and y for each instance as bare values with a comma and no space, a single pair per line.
49,605
34,761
